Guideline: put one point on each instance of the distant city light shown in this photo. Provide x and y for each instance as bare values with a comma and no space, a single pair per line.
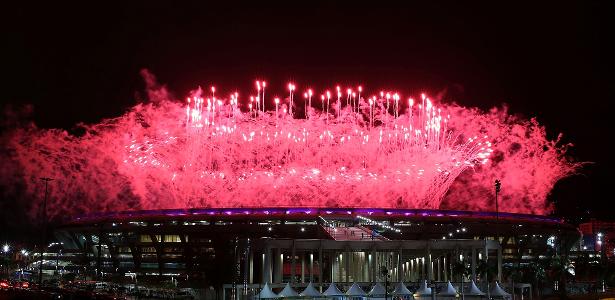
6,248
551,241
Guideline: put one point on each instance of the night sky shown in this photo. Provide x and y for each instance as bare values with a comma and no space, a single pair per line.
80,63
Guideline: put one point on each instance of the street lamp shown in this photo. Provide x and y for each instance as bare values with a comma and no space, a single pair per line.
40,264
498,185
5,250
385,273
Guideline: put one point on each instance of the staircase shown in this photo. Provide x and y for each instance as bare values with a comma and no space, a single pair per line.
358,233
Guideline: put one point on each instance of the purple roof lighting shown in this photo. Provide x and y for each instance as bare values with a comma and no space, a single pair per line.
298,211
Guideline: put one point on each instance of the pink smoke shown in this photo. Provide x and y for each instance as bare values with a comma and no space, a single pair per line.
524,159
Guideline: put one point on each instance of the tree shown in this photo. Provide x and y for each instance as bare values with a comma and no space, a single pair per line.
485,271
461,268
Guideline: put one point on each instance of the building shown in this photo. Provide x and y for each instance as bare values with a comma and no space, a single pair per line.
598,237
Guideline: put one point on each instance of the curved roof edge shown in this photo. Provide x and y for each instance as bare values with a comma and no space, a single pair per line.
311,211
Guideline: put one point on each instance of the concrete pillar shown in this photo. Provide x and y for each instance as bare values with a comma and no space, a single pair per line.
355,257
335,265
267,263
408,274
277,265
311,266
293,265
417,269
366,263
429,264
347,265
261,257
439,273
433,266
251,266
446,261
454,260
399,265
412,277
358,261
320,267
499,263
473,263
302,267
374,265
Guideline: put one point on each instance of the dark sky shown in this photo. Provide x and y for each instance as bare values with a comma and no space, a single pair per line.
81,62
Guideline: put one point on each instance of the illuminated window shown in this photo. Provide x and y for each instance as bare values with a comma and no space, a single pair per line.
172,238
145,238
149,265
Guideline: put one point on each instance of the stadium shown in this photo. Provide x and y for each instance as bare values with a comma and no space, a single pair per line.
349,192
241,249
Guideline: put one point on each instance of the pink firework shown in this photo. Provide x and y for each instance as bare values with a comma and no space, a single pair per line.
220,156
211,151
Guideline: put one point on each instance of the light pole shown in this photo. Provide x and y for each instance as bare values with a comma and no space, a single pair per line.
498,185
384,271
5,249
44,229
